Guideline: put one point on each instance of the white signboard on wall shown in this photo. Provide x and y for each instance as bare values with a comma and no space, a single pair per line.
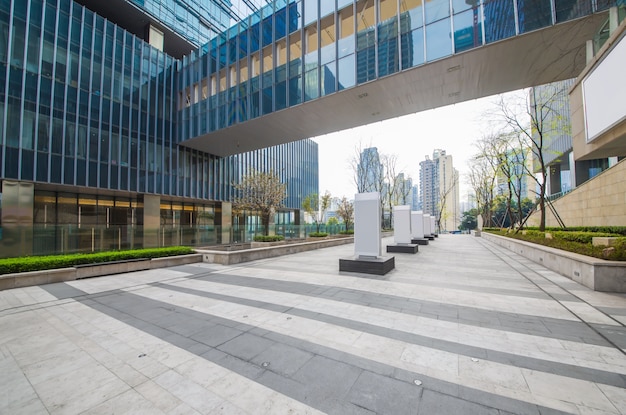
604,90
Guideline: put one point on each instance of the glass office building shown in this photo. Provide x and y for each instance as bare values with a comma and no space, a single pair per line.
90,139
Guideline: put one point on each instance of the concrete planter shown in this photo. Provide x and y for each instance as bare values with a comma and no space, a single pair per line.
253,254
26,279
255,244
594,273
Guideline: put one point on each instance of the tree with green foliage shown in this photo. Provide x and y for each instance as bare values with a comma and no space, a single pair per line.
261,193
469,220
316,207
346,212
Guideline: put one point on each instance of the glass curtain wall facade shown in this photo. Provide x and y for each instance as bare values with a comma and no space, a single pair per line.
88,114
293,51
195,20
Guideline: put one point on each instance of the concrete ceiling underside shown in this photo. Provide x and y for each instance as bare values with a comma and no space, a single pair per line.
131,18
547,55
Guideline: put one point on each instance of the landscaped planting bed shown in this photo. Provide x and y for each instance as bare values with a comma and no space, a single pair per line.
577,240
37,263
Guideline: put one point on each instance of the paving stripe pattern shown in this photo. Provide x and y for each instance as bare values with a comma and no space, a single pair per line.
462,327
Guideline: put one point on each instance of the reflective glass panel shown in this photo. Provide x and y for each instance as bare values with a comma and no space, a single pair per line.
499,20
571,9
467,30
346,72
412,48
411,15
533,14
437,10
438,42
329,78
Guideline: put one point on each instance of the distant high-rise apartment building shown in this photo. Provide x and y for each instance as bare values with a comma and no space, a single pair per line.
439,190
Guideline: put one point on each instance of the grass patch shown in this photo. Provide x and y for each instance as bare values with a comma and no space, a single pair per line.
576,242
38,263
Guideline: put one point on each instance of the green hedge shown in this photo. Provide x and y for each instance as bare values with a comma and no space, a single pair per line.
38,263
581,237
318,234
348,232
268,238
620,230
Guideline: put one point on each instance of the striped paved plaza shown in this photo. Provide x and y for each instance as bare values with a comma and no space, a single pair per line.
461,327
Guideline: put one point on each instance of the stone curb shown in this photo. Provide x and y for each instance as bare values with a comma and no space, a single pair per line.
594,273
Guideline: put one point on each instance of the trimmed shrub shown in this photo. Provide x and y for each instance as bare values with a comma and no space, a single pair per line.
620,230
580,237
38,263
318,234
268,238
348,232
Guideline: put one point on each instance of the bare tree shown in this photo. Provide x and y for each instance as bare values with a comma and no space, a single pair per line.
535,120
367,169
391,184
444,192
261,193
482,180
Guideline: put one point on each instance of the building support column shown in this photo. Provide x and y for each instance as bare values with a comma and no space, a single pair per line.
151,221
17,204
224,222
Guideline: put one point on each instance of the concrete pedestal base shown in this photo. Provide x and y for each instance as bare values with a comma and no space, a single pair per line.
403,248
430,237
368,265
419,241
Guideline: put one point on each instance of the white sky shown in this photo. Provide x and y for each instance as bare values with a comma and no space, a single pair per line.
453,128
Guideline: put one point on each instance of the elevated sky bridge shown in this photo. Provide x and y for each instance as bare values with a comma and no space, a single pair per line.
338,72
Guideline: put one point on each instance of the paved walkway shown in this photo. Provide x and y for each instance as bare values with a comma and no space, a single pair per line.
462,327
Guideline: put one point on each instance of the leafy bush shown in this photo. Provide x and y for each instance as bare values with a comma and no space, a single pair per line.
268,238
38,263
581,237
348,232
535,234
318,234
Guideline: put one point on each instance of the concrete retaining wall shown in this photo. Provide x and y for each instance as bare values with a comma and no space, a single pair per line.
236,257
594,273
26,279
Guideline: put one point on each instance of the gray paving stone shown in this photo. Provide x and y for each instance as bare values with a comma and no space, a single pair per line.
384,395
437,403
241,367
62,290
215,335
282,359
245,346
328,379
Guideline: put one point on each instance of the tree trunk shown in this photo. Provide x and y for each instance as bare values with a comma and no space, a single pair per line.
265,222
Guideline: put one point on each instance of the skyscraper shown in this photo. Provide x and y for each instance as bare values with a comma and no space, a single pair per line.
370,171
